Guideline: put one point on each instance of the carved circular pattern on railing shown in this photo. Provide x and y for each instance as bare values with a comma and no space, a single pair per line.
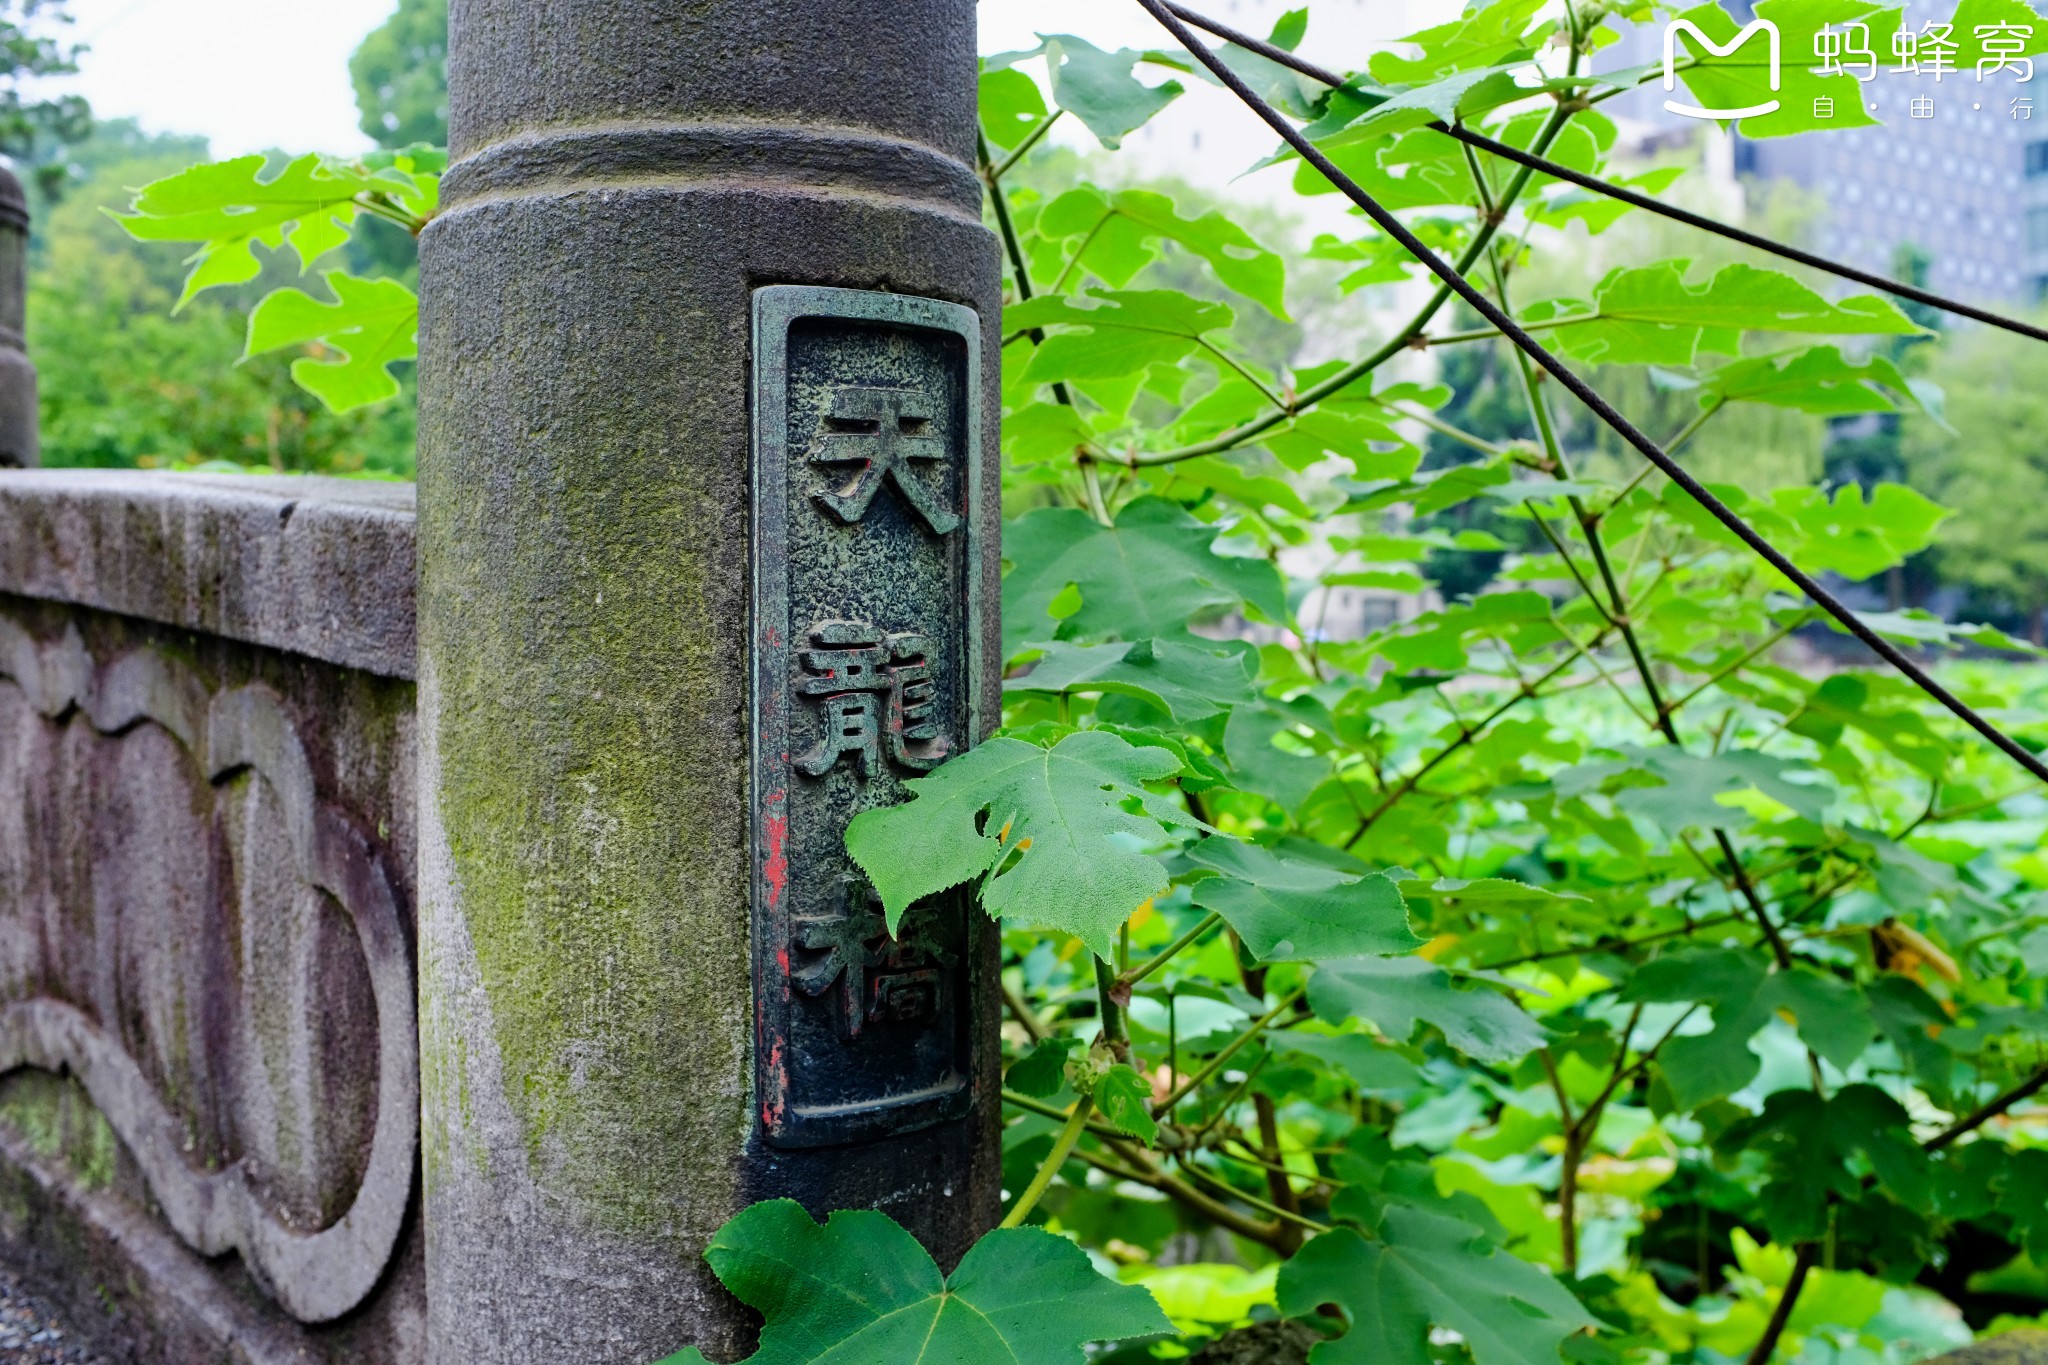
315,1276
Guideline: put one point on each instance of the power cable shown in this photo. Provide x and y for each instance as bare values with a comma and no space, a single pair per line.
1605,411
1280,55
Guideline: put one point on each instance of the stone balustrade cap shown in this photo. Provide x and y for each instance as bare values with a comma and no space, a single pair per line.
13,200
320,567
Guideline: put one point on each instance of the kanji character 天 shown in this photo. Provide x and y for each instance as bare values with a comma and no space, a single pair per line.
883,431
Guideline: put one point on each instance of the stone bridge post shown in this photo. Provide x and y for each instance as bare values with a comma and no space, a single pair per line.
19,419
707,533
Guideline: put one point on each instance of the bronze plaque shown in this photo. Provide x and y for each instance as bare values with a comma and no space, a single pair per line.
866,570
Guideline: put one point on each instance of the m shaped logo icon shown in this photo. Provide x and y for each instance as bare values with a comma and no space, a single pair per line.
1750,30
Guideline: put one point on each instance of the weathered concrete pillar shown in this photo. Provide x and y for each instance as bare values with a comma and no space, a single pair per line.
20,443
707,561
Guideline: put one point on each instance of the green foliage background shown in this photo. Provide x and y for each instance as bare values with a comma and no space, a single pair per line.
126,384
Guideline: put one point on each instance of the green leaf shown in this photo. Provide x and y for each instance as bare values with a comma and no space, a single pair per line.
372,325
1329,432
1844,701
1044,1071
2023,1197
228,208
859,1289
1119,230
1254,492
1260,766
1038,432
1370,1065
1290,91
1397,993
1011,106
1650,315
1809,1145
1099,88
1744,994
1288,909
1378,1177
1912,1022
1140,579
1428,1271
1044,822
1458,95
1687,785
1858,536
1436,641
1192,682
1234,254
1486,35
1816,379
1495,894
1385,580
1125,1099
1125,331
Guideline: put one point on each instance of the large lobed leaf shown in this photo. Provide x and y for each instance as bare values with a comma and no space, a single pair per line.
1811,1145
1650,315
1290,909
1428,1271
1139,579
1119,231
1050,824
228,208
1743,994
859,1290
1189,681
1101,88
1816,379
1112,333
371,326
1397,993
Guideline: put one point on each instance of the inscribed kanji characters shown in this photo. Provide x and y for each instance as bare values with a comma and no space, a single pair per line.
876,694
882,431
880,979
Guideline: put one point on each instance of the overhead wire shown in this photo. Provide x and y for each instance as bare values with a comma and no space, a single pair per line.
1272,52
1168,16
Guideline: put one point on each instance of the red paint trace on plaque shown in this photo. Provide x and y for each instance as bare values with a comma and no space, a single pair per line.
777,869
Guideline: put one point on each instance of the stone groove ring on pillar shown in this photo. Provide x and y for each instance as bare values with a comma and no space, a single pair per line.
849,159
315,1276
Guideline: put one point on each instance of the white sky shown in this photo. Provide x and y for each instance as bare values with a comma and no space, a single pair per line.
253,74
249,74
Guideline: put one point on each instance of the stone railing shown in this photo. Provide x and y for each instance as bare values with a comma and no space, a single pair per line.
209,1085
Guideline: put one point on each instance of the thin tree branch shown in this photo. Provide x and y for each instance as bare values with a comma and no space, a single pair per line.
1020,1009
1988,1111
1263,1206
1182,1192
1170,951
1465,736
1802,1266
1351,374
1222,1058
1030,140
1047,1169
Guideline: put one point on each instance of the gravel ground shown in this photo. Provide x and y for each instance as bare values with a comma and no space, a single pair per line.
32,1334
